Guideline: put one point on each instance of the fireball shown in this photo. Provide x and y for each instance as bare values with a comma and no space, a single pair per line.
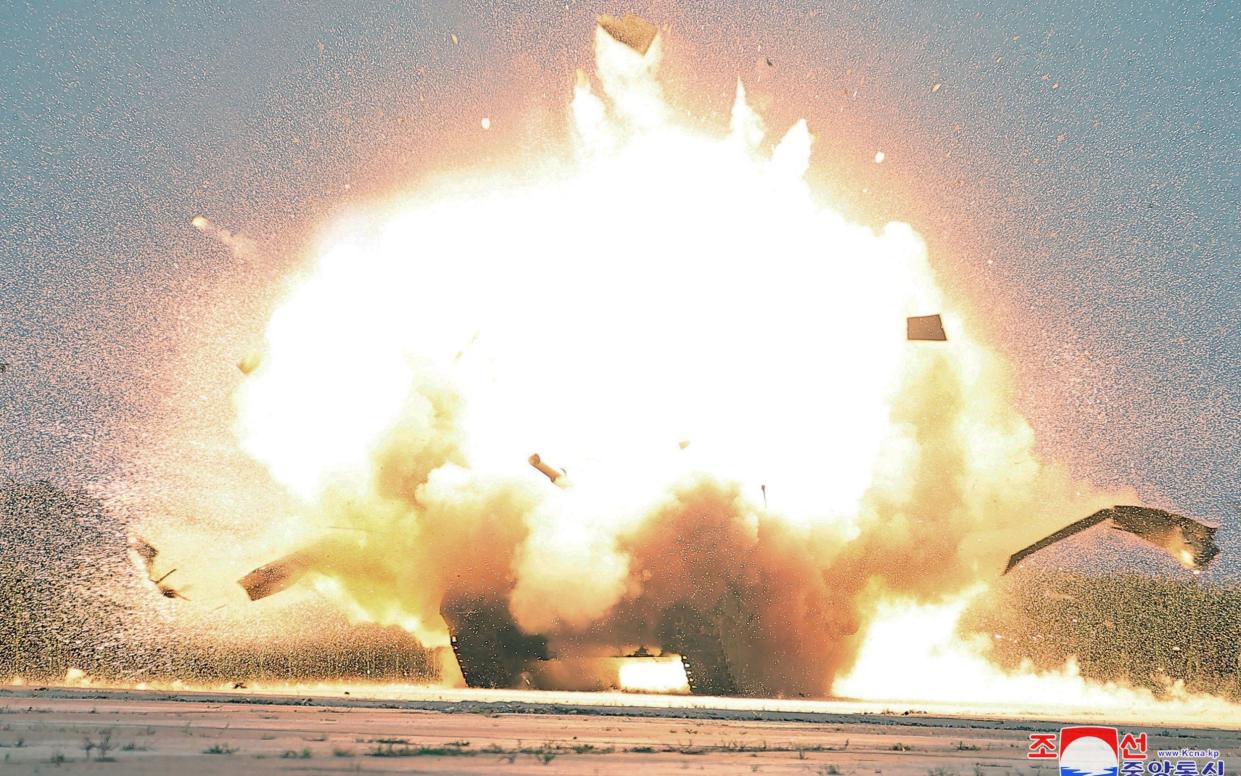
714,358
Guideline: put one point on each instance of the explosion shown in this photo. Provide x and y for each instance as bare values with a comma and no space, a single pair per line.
712,359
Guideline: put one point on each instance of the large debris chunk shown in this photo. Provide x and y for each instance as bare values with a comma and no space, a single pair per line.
275,576
634,31
1190,541
925,328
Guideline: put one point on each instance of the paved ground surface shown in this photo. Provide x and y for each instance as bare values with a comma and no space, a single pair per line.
54,731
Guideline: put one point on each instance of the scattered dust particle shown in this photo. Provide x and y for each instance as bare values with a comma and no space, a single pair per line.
935,88
879,157
454,40
485,123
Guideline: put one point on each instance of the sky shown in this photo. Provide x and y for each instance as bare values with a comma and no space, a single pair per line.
1075,175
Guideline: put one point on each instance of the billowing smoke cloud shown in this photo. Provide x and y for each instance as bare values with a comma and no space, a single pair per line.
426,528
715,358
708,551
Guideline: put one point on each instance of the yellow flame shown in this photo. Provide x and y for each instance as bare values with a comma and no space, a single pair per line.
76,677
653,674
915,653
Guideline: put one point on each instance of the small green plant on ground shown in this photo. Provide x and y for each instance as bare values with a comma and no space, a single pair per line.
390,749
220,749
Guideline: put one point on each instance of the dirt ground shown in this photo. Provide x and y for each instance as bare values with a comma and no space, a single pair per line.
55,731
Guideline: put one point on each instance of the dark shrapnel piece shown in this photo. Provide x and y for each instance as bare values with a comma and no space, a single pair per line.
1190,541
925,328
145,553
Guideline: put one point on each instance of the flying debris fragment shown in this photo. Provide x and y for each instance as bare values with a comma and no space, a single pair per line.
634,31
1190,541
167,591
250,362
275,576
144,554
551,473
925,328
